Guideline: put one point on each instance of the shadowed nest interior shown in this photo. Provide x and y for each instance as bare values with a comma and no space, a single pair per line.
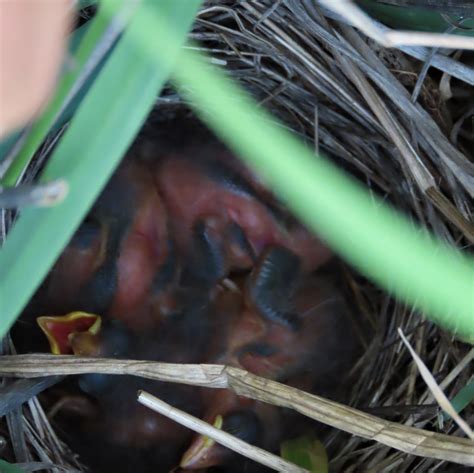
398,126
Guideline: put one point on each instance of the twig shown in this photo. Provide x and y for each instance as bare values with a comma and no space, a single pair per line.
432,139
37,466
439,61
364,23
254,453
358,18
463,363
316,129
392,411
422,75
432,40
396,132
37,195
437,392
407,439
16,428
451,376
15,394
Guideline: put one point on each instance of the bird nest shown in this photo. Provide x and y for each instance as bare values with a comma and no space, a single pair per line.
397,123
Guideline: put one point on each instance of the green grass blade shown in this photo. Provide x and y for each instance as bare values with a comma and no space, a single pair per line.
369,234
6,467
413,17
100,132
306,452
463,398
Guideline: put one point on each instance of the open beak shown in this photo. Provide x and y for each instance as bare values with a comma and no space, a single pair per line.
204,452
59,329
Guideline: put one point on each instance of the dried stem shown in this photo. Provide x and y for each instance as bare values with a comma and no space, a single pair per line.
254,453
436,391
37,195
407,439
364,23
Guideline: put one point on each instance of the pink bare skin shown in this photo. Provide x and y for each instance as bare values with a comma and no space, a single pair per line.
33,38
190,195
143,250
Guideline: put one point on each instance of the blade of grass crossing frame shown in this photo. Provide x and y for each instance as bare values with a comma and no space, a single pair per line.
383,244
100,132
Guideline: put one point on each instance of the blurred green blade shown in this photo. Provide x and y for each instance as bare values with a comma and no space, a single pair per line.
384,245
423,15
6,467
366,232
7,143
463,398
100,133
85,3
306,452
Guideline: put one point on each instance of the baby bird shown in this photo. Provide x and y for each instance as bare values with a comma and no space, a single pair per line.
112,413
252,421
59,330
188,215
154,258
119,254
206,195
293,332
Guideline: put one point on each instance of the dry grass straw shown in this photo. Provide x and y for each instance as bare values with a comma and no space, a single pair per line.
39,195
353,14
407,439
382,116
436,391
218,435
32,438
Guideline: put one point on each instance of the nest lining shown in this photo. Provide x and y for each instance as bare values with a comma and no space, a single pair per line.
359,105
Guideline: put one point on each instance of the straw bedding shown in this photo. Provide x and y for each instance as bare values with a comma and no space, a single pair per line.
401,129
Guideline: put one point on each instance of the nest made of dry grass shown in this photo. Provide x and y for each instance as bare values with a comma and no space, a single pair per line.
383,117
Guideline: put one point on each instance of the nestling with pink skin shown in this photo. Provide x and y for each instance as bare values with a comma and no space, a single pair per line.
187,258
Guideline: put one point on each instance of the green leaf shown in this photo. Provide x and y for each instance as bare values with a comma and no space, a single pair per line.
101,131
307,453
6,467
406,260
463,398
85,3
418,18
